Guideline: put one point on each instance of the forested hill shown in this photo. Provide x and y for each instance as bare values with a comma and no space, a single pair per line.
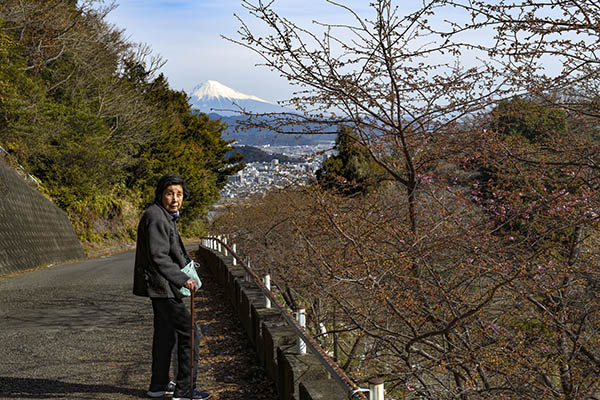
254,154
83,112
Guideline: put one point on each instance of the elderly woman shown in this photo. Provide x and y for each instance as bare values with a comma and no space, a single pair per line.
160,256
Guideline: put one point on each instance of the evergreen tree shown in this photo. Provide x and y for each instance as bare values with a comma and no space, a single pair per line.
352,169
528,119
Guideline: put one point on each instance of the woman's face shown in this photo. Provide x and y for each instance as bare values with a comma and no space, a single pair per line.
172,197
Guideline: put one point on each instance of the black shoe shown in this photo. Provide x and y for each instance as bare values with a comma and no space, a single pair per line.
198,395
162,393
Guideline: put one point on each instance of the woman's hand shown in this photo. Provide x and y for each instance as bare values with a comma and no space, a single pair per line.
191,284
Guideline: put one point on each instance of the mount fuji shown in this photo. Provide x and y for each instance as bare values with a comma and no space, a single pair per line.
221,102
214,97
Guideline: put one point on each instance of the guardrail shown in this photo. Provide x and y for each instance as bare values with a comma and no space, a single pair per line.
304,340
27,174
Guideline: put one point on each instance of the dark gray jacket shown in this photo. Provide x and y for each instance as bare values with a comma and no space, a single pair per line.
159,255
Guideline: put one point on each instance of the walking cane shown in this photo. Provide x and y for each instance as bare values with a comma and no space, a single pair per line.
192,352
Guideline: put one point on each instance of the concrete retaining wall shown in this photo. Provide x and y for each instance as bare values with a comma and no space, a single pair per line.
33,231
298,377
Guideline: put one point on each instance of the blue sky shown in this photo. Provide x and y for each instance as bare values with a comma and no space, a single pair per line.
187,33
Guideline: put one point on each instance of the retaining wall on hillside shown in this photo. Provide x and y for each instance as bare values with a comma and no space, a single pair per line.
297,376
33,231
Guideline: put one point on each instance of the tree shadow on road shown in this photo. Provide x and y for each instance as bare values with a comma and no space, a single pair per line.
33,388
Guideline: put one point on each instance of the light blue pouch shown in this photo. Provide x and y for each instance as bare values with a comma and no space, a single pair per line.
189,270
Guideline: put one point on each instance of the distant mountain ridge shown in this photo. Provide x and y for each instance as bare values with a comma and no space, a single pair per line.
259,137
220,102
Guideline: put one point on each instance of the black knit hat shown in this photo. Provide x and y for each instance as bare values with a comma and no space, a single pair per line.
167,180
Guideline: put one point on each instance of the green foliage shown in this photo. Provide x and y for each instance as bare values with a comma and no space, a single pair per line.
82,112
19,93
528,119
87,213
352,170
72,160
521,123
524,197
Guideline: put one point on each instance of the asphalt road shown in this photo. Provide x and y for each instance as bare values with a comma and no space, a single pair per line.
75,331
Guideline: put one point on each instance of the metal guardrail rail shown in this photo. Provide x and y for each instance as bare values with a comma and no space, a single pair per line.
354,391
27,174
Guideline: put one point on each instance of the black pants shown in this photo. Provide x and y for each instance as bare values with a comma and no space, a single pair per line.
171,322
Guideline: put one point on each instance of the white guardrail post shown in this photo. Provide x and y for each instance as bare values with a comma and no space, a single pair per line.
301,318
267,283
235,252
225,248
246,275
376,391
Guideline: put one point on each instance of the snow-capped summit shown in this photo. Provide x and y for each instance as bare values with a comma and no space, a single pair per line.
212,89
214,97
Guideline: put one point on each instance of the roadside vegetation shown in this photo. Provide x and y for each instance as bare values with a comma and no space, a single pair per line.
85,112
451,247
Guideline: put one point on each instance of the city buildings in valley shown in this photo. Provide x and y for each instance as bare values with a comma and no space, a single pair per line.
259,177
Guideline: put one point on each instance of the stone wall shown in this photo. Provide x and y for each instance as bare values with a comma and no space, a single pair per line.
33,231
297,376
